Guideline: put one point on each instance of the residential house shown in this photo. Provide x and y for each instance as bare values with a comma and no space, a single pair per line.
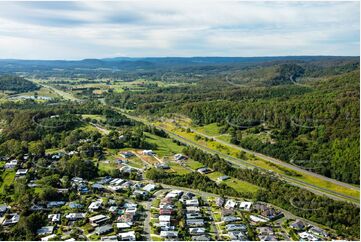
246,206
49,237
192,202
109,238
11,164
3,209
230,204
197,231
238,236
193,215
14,218
45,230
230,219
200,238
75,216
98,219
104,229
195,222
219,201
233,227
55,204
127,236
21,172
192,209
204,170
169,234
149,187
127,225
126,154
95,205
164,218
318,232
306,236
298,225
54,218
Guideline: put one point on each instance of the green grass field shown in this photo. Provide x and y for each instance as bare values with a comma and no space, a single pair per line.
194,164
94,116
236,184
211,129
175,167
7,178
165,146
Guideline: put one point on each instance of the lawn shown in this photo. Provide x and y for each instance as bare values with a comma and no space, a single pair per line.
7,178
194,164
136,162
165,146
236,184
175,167
210,129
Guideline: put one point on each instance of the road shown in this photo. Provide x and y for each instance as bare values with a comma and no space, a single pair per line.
278,162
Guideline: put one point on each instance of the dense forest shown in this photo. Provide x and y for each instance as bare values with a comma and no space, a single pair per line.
310,114
16,84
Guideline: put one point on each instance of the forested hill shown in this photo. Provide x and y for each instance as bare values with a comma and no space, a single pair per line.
16,84
309,111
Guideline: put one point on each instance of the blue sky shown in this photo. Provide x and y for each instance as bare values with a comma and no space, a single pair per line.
76,30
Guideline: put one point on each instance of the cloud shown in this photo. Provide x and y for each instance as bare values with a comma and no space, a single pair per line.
73,30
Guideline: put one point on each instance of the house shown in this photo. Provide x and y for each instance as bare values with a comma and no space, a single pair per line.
128,236
219,201
200,238
97,186
246,206
104,229
163,166
307,236
270,237
49,237
233,227
127,225
192,202
14,218
222,178
179,157
169,234
193,215
271,213
55,204
165,211
195,222
75,216
75,205
317,231
149,187
204,170
130,205
164,218
98,219
11,164
45,230
21,172
140,193
197,231
109,238
148,152
264,230
36,207
230,204
3,209
298,225
113,209
55,218
237,235
193,209
116,181
126,154
229,219
258,219
174,194
95,205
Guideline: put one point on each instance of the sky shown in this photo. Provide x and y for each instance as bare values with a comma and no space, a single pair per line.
143,28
